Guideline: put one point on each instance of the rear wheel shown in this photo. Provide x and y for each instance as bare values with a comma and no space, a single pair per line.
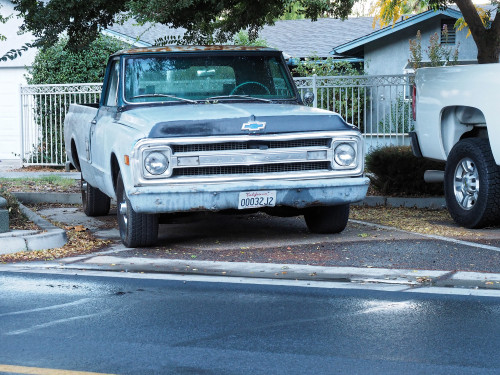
472,184
327,219
94,201
136,229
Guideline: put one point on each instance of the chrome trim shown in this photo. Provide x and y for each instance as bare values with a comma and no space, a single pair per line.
247,157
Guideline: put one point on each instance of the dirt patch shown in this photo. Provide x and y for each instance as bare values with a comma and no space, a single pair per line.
426,221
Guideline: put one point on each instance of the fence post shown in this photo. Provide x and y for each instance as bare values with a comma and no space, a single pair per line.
315,91
21,119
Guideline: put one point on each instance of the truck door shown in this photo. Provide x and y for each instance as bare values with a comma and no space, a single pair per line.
102,125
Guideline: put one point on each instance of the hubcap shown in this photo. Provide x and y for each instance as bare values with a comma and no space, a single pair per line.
466,183
123,212
84,186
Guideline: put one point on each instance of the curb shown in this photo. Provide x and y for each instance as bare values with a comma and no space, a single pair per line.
433,203
413,279
49,237
61,198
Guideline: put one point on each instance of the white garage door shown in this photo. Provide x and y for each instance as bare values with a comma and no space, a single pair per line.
10,112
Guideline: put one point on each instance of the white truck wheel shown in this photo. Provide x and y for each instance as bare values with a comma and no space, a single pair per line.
136,229
472,184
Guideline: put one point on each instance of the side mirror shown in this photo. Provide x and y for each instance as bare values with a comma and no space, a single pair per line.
308,97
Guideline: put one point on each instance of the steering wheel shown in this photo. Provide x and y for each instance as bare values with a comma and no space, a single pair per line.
233,91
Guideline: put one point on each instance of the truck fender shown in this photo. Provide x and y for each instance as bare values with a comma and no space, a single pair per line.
455,122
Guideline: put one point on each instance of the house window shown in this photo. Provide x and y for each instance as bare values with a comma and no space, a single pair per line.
448,35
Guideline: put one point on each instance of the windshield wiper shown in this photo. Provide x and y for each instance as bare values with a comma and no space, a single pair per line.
239,96
164,96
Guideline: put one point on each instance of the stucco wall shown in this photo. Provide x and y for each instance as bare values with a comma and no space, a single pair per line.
390,55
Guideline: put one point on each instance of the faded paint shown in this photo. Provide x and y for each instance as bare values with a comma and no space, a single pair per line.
224,196
114,131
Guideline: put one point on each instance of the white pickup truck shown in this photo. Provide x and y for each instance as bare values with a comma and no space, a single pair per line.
183,130
457,121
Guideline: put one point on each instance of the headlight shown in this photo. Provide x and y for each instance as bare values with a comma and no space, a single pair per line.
345,154
156,163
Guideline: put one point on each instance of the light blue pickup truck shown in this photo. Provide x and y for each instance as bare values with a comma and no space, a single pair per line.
185,129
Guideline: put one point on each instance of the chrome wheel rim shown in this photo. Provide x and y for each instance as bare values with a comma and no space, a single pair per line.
123,213
466,183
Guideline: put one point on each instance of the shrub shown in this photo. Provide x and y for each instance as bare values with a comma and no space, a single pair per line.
395,170
58,65
16,217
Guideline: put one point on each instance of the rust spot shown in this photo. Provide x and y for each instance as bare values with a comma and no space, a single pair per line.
133,51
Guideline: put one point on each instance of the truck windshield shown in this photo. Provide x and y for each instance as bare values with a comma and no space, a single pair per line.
186,78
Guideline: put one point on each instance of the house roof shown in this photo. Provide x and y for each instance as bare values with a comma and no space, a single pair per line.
304,38
296,38
352,46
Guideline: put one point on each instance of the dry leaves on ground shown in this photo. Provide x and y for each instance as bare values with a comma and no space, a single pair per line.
436,222
80,242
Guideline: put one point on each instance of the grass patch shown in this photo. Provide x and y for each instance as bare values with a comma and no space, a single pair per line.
53,183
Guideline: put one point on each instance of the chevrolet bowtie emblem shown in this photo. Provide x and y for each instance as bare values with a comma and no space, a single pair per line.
253,126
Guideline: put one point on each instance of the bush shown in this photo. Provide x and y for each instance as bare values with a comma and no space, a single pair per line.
16,217
58,65
395,170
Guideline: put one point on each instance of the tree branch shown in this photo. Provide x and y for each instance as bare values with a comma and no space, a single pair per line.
471,17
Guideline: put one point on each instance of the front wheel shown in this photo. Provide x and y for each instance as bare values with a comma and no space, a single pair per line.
136,229
327,219
472,184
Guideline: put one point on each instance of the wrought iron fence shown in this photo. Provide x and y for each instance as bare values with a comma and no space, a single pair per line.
380,106
43,108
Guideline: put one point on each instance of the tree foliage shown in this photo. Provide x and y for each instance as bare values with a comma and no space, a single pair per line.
205,21
56,64
14,52
484,30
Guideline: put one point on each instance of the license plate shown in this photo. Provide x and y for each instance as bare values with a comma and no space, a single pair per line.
256,199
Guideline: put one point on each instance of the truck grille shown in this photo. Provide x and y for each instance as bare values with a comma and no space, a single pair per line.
252,169
249,157
229,146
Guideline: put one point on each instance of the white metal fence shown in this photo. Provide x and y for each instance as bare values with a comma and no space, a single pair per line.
43,108
380,106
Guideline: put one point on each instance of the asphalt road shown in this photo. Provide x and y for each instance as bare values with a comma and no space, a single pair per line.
141,326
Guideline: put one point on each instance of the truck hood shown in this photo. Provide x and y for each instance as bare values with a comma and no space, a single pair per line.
228,119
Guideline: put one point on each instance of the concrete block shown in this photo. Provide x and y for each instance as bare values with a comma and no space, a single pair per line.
4,216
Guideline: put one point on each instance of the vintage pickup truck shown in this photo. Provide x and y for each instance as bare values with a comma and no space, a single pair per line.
455,109
188,129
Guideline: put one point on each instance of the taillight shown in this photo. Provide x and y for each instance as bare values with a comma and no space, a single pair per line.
414,102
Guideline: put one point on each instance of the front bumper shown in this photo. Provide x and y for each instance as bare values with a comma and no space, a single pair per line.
224,196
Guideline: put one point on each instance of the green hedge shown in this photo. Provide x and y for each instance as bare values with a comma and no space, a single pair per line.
58,65
396,171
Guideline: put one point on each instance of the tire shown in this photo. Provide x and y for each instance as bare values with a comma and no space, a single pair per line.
472,184
94,201
136,229
327,219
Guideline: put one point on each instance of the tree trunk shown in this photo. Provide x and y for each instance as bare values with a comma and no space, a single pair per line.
487,40
488,50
